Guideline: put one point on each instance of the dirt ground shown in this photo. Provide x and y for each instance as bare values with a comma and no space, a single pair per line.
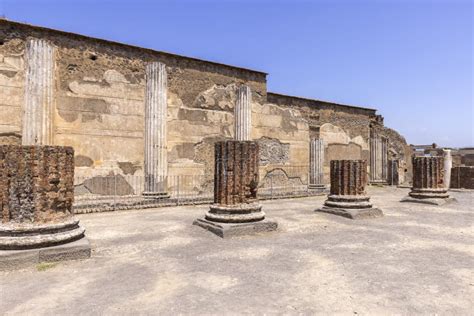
417,259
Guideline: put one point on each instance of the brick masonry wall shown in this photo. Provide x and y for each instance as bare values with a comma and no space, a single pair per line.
36,183
462,177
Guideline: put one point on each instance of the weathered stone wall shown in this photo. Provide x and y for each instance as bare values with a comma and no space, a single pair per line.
398,149
344,129
99,99
36,183
99,109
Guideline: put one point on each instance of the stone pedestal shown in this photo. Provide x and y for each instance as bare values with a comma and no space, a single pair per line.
236,210
428,182
347,196
36,197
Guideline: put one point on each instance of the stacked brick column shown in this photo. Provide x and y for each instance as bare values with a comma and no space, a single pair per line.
347,195
428,181
236,210
36,196
235,183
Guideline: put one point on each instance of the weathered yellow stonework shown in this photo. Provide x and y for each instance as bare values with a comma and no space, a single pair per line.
99,109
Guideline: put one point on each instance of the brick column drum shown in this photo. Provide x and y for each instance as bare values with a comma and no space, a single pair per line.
428,181
36,197
347,196
236,210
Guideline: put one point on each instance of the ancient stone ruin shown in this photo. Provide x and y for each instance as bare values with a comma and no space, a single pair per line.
36,197
347,196
236,210
143,123
428,181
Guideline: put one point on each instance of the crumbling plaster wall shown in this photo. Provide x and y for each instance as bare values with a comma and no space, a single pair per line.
99,98
12,77
345,130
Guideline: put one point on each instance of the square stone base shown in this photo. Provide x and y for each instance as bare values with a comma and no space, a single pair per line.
428,201
18,259
228,230
355,213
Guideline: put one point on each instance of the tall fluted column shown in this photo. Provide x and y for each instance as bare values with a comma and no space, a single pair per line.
348,197
428,181
448,164
378,159
39,93
316,162
156,162
243,114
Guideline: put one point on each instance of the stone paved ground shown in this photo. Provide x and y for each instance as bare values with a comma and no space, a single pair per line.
416,260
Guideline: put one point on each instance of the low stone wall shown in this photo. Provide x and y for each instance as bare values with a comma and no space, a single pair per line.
462,177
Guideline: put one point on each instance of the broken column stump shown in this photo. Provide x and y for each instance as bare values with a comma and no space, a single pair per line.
347,196
236,210
428,182
36,197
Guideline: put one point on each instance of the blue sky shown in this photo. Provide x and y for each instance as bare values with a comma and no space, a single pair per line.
411,60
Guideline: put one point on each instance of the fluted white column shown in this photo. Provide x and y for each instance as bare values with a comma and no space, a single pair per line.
378,159
243,114
39,93
316,162
156,162
448,164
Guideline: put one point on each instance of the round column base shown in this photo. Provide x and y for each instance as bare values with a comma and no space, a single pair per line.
348,201
155,195
350,206
239,213
429,193
28,236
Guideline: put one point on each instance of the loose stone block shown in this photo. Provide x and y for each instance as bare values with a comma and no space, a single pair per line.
347,195
236,210
428,182
36,197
